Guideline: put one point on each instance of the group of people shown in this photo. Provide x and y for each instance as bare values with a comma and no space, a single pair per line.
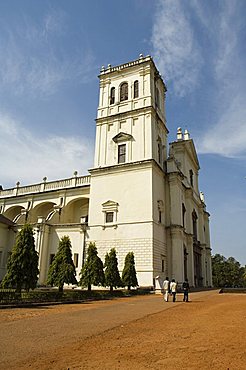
170,287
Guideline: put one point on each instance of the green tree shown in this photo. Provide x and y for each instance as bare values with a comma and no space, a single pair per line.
92,272
112,275
129,275
22,267
227,272
62,269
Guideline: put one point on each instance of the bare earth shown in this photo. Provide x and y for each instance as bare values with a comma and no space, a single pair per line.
129,333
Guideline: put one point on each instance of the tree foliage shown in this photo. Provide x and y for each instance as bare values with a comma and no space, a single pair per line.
227,272
62,269
22,267
92,272
112,275
129,275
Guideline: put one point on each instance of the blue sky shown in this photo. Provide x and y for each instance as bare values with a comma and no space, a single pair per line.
51,52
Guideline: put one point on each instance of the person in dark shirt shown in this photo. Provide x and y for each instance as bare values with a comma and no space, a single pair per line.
186,288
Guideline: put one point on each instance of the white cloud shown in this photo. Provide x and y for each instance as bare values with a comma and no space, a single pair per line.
33,60
179,28
227,136
175,48
27,158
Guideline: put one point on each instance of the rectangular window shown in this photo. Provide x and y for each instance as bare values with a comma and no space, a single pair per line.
162,265
76,259
160,217
1,254
109,217
122,153
52,256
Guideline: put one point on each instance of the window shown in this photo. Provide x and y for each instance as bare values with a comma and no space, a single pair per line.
109,217
136,89
157,97
110,210
122,153
162,266
124,91
112,95
159,150
183,214
194,223
160,206
191,177
76,259
1,253
52,256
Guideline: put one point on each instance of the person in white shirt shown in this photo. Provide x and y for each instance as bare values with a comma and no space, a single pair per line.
166,287
173,289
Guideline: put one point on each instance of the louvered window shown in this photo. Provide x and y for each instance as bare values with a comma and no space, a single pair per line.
124,91
136,90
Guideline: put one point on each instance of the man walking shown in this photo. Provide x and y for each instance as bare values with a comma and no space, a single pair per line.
173,288
166,287
186,288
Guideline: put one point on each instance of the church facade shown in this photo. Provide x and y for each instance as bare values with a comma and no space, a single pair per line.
141,195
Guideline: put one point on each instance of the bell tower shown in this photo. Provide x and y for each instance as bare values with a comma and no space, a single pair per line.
131,123
127,190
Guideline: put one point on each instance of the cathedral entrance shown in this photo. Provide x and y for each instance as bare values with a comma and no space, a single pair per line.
185,263
197,256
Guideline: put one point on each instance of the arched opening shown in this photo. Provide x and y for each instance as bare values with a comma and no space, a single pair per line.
75,210
13,212
41,210
136,90
112,95
124,91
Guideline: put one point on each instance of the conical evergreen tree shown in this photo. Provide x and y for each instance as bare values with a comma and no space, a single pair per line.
112,275
62,269
92,272
22,267
129,275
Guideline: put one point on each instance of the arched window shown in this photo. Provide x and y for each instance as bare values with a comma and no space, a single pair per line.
191,178
136,89
112,95
124,91
194,222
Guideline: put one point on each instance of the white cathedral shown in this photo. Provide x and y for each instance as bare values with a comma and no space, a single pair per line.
140,196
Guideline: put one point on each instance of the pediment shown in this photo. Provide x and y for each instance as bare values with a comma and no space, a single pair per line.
122,136
110,203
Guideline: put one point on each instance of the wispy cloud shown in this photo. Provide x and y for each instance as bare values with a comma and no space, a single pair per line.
227,134
175,48
27,158
179,27
33,60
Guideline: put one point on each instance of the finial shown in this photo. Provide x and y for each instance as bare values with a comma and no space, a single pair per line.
202,197
186,135
75,173
179,133
45,179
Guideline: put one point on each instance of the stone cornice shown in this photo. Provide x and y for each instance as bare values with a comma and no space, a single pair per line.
125,167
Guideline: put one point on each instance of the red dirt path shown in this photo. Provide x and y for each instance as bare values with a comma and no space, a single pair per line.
132,333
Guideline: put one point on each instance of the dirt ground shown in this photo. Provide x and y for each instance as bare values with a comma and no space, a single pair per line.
130,333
